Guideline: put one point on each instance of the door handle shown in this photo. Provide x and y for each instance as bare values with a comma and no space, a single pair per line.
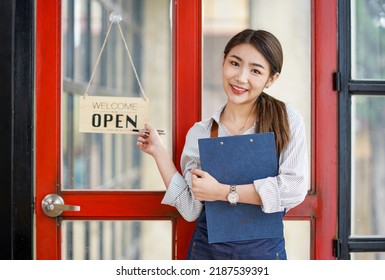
53,205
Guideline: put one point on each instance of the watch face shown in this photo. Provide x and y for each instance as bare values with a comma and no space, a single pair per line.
233,197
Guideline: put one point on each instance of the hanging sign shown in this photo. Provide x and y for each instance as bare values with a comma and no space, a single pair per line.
104,114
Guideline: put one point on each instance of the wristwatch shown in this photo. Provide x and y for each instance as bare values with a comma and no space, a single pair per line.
233,197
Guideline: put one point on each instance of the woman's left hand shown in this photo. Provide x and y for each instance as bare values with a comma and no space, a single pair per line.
205,187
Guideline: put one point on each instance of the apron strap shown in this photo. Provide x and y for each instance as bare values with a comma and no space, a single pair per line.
214,130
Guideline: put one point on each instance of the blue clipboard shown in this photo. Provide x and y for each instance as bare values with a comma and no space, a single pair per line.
240,160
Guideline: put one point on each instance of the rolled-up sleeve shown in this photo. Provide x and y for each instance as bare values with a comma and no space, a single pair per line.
289,188
178,193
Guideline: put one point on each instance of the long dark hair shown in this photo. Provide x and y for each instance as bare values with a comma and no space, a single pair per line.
271,112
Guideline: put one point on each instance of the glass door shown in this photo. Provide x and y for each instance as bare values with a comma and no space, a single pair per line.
97,196
113,192
111,162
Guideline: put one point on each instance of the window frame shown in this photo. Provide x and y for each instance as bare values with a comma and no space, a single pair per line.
348,87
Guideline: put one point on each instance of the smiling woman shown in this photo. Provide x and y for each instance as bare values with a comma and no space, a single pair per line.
191,189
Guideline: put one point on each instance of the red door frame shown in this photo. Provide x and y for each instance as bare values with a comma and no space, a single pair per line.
319,207
325,130
48,88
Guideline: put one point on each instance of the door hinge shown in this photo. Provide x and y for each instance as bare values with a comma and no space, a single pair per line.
34,205
337,81
337,248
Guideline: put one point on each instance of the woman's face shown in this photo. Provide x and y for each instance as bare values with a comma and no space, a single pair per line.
245,73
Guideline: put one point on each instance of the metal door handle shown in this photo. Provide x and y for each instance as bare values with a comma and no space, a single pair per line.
53,205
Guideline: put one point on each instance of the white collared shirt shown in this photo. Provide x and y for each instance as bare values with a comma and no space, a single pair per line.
279,193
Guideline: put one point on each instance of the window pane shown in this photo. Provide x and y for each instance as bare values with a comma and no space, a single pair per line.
368,161
112,161
368,256
368,37
297,238
116,240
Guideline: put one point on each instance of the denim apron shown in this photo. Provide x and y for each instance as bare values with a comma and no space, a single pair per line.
257,249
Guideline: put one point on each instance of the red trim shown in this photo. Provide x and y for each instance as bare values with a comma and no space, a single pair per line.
48,43
187,89
187,70
326,143
113,204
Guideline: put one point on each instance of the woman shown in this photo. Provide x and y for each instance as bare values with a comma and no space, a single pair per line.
252,62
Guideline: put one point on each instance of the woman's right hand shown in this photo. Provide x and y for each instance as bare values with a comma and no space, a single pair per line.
149,141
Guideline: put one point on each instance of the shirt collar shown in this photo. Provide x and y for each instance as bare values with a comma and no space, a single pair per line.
216,116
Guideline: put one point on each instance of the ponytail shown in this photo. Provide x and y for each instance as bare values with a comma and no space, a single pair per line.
272,117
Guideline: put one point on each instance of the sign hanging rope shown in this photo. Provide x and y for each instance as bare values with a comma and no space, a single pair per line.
115,18
113,114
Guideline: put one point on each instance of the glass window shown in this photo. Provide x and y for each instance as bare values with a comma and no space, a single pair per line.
368,161
224,18
116,240
368,37
368,256
111,161
297,237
